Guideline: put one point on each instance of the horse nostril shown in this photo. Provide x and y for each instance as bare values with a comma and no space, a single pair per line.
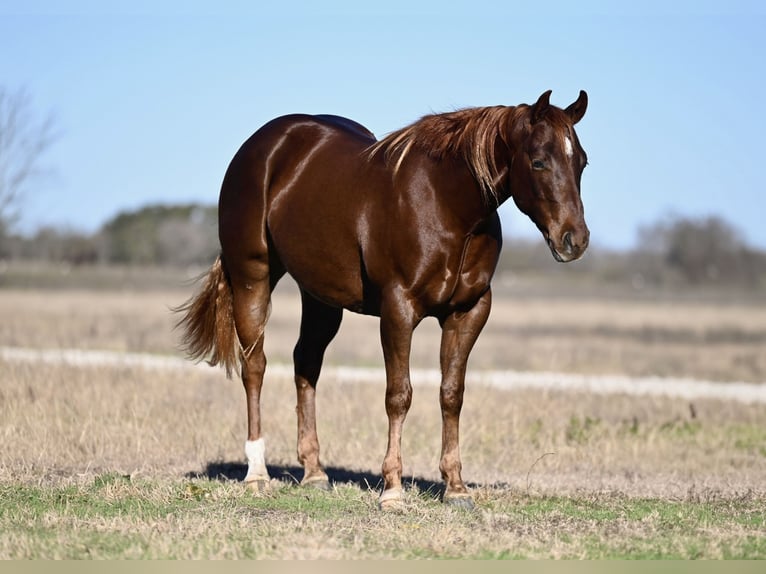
567,241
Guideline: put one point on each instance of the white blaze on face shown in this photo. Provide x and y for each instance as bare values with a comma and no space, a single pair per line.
568,149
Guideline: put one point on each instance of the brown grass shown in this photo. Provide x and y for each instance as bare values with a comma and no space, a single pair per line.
70,421
614,336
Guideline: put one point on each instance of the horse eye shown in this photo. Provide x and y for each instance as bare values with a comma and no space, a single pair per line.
538,164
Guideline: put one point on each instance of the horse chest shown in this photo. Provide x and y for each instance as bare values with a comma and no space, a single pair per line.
477,266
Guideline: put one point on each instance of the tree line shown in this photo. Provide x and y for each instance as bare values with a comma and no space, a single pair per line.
674,251
175,235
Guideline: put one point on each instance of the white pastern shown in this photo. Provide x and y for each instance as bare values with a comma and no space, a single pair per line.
255,450
568,149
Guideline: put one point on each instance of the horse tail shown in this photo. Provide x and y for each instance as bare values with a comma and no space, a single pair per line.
208,321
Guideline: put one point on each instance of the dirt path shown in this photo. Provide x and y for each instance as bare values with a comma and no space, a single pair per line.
599,384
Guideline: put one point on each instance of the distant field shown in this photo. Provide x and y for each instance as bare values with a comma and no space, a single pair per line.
682,337
127,461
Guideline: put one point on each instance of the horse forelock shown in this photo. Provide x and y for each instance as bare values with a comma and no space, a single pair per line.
470,133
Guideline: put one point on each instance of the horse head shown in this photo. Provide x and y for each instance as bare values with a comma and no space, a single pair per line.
545,174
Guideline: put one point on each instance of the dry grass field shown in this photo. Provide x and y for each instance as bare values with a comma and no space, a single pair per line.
127,461
721,341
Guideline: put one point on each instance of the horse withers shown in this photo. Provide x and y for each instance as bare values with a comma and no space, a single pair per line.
402,228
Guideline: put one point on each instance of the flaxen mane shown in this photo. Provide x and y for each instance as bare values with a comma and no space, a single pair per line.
470,133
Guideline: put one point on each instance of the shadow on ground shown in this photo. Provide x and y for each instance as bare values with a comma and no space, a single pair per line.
362,479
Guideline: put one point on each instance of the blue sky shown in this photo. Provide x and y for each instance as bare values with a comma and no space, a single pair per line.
151,103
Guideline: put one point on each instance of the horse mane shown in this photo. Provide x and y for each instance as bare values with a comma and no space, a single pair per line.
469,133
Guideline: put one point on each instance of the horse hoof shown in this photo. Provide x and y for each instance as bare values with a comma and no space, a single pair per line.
317,483
391,500
461,501
258,486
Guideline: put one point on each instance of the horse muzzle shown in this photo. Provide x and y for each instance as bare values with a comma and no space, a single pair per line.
570,246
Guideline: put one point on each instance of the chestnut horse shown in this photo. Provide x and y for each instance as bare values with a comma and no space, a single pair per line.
402,228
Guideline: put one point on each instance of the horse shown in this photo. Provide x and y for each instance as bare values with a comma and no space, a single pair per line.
402,228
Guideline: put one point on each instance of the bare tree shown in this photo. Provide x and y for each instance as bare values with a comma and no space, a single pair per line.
23,141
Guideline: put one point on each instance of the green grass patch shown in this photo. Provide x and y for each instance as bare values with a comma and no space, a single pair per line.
116,517
749,438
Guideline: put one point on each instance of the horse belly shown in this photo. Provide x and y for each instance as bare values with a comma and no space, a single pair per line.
316,242
330,280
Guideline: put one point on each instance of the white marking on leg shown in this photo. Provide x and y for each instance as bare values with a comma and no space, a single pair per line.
255,450
568,149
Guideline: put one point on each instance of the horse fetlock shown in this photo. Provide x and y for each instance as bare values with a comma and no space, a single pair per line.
255,451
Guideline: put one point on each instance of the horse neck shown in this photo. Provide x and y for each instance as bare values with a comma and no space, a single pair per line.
463,193
507,149
509,135
501,189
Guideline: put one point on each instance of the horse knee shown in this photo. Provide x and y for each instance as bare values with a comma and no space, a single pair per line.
399,400
451,399
253,367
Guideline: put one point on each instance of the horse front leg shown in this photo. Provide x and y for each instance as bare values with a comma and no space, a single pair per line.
397,321
459,333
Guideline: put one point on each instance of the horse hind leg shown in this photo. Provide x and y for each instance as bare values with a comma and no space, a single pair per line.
252,303
319,324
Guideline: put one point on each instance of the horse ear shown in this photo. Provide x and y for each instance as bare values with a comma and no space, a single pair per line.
541,106
577,110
